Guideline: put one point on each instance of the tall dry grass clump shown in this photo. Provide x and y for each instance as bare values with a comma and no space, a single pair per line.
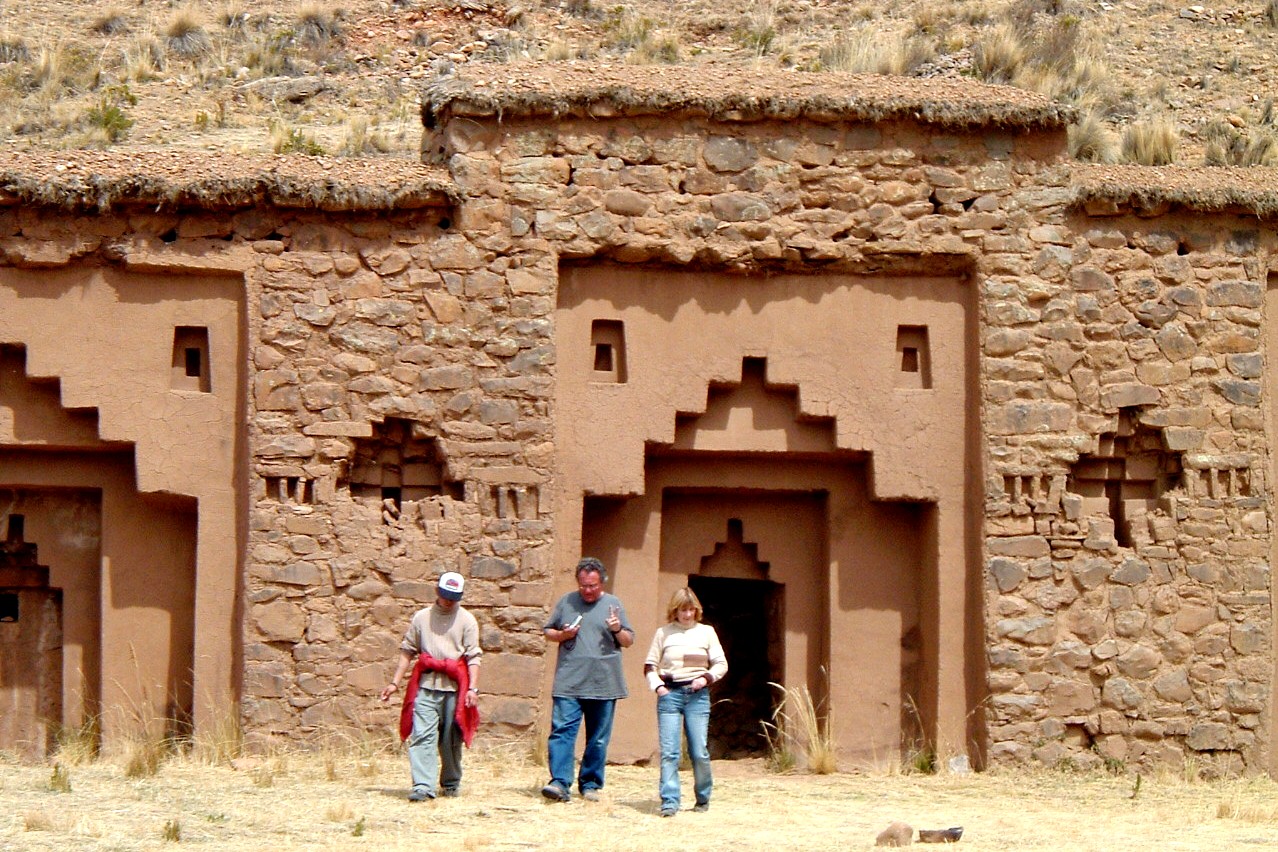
185,35
1091,140
868,51
799,735
1152,142
998,56
317,24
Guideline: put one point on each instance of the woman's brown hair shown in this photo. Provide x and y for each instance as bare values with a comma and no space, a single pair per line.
683,597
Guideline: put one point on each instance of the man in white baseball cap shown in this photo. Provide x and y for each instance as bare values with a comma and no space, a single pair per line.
440,654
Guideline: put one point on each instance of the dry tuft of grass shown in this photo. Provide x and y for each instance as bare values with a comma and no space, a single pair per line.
185,35
998,56
868,51
110,22
317,24
799,735
1091,140
1151,143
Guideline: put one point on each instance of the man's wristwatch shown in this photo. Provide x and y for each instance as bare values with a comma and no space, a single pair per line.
474,689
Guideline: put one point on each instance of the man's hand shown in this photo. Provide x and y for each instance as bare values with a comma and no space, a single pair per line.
472,698
388,691
614,619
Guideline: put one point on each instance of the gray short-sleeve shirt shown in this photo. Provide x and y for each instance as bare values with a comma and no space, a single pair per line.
589,666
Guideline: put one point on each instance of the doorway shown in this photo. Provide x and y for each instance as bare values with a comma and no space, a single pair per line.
748,615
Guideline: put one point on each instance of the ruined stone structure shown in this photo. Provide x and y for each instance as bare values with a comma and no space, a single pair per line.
970,441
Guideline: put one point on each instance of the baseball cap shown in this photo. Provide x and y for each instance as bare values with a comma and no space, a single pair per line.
451,585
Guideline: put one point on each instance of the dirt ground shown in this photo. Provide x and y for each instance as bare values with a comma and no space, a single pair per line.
335,800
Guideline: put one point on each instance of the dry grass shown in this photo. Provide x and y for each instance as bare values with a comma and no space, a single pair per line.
217,807
1150,143
799,734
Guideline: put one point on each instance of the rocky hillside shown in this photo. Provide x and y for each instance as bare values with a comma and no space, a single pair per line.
1150,81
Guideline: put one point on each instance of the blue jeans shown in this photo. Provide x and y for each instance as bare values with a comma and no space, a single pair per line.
683,709
566,716
435,736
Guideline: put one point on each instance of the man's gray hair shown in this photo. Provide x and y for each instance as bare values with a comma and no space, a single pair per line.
591,565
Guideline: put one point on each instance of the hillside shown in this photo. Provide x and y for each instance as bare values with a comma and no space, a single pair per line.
1194,82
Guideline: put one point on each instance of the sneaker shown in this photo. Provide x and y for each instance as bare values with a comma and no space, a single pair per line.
420,794
701,807
669,812
555,793
591,795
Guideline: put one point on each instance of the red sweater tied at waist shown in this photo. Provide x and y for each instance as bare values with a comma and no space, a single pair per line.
467,718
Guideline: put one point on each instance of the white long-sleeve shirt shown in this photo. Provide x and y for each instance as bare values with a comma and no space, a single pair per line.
682,654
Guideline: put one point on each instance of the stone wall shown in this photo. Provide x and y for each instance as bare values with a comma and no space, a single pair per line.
1132,627
399,429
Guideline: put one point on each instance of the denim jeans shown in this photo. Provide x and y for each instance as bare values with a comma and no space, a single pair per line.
435,736
682,710
566,716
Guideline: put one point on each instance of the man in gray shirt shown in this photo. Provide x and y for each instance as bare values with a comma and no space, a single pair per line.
591,628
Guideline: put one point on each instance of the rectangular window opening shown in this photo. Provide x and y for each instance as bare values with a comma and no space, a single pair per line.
8,607
914,360
191,368
608,341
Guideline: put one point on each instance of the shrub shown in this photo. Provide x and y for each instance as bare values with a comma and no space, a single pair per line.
291,140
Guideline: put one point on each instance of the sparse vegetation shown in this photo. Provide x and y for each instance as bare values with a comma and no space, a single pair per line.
185,34
1091,140
172,831
799,735
293,140
1151,142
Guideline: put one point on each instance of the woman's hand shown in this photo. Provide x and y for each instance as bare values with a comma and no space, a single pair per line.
699,683
662,691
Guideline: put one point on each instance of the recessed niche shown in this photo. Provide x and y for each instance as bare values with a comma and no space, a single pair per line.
512,502
913,358
395,466
191,368
8,607
608,351
294,490
1125,476
16,529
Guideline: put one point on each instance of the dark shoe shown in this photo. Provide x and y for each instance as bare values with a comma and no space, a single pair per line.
669,812
591,795
420,794
701,807
555,793
451,792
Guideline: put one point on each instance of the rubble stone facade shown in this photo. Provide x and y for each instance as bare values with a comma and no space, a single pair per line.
1047,536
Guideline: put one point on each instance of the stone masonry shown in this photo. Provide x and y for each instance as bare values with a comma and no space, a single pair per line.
401,369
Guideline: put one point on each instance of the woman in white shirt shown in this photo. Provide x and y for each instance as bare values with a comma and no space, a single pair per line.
685,658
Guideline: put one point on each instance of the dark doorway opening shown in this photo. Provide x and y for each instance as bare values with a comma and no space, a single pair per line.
749,616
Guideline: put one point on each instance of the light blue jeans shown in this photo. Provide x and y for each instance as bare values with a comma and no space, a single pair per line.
684,711
435,736
566,716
